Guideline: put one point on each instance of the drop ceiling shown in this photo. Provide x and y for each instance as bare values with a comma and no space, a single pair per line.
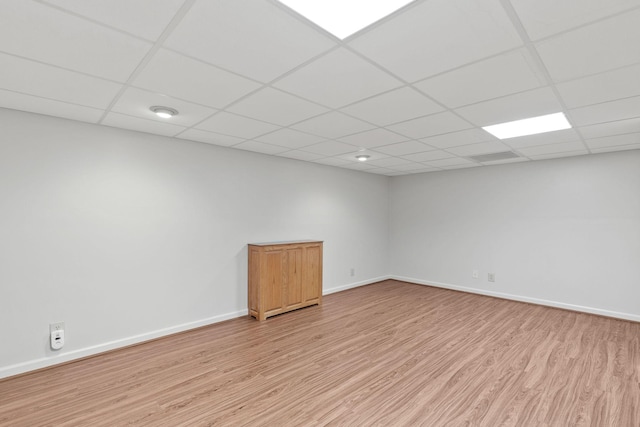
412,91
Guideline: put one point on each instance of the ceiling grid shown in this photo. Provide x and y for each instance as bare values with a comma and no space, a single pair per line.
412,91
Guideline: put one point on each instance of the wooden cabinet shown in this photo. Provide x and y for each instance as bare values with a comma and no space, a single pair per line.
284,276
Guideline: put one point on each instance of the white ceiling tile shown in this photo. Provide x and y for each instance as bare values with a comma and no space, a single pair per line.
428,156
373,138
533,103
561,147
301,155
333,125
33,104
134,123
616,148
330,148
622,109
143,18
439,35
176,75
380,171
542,18
565,135
613,141
210,137
34,78
275,106
234,125
461,166
137,102
414,167
491,78
560,155
402,148
479,148
427,169
455,139
357,166
289,138
611,128
608,86
602,46
337,79
423,169
435,124
260,147
399,173
61,39
389,162
394,106
504,161
253,38
453,161
331,161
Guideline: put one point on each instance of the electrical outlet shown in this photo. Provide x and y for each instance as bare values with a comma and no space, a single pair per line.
58,326
353,272
56,335
492,277
475,274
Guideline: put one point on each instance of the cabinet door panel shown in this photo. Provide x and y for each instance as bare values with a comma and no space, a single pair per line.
313,273
272,292
254,279
294,277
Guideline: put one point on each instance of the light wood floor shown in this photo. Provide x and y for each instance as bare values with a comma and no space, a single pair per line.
387,354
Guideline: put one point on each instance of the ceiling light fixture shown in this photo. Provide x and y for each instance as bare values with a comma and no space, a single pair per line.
343,18
164,112
532,126
362,157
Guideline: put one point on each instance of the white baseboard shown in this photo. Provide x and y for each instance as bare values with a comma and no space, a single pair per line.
556,304
354,285
45,362
32,365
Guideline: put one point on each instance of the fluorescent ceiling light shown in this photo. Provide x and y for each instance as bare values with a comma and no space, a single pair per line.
344,17
532,126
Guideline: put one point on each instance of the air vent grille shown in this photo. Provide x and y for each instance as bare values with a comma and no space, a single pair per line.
484,158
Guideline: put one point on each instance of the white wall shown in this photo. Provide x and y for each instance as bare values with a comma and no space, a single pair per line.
562,232
127,236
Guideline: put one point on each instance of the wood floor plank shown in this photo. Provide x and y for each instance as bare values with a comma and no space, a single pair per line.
387,354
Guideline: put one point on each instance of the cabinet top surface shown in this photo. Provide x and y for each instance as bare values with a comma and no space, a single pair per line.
285,242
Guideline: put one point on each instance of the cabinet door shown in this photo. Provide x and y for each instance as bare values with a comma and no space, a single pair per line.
254,279
294,277
313,273
272,285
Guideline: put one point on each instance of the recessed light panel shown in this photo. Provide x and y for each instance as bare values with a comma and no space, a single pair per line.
532,126
344,17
